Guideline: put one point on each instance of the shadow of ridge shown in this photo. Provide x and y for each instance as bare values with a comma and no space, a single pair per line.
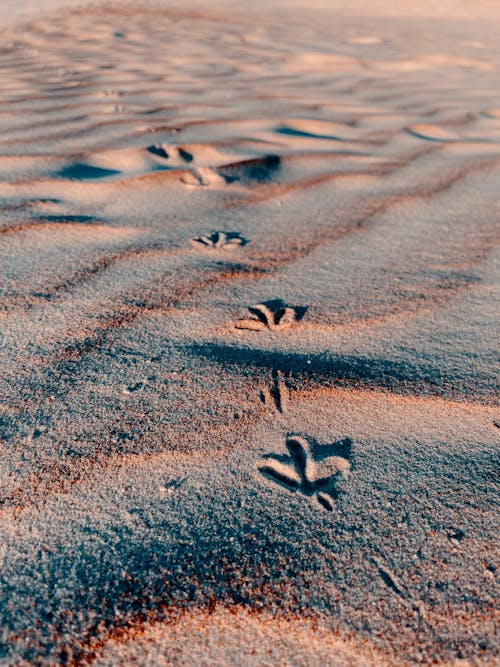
327,369
79,171
69,218
290,131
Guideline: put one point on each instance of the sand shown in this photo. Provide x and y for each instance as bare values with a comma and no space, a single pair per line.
249,334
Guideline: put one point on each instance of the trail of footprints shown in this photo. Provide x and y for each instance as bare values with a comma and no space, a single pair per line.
271,315
300,471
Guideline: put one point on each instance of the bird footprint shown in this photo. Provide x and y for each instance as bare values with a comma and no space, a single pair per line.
220,240
300,472
275,315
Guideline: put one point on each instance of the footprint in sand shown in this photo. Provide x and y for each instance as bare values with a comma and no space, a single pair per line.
277,395
111,92
249,172
170,488
220,240
176,154
203,177
274,315
300,472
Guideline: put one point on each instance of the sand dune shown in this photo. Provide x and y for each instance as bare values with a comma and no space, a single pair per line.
225,231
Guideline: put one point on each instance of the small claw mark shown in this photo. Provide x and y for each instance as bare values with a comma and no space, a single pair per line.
326,500
220,240
172,486
390,579
277,393
301,455
281,473
274,315
133,388
300,471
263,314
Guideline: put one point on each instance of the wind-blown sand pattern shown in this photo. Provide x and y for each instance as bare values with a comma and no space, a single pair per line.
176,489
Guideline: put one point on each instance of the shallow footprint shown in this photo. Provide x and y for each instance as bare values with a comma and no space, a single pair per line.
220,240
300,472
203,176
274,315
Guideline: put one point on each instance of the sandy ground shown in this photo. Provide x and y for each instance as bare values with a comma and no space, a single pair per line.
13,10
185,480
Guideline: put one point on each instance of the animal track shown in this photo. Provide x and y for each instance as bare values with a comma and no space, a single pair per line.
300,472
133,387
220,240
173,485
274,315
277,394
203,176
170,152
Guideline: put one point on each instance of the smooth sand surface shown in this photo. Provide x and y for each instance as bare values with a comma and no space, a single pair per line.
249,335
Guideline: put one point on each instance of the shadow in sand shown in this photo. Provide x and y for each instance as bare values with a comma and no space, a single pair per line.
290,131
84,219
82,172
327,369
